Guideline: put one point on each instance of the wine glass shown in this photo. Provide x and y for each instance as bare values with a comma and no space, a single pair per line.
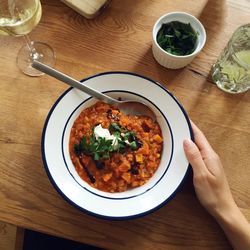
18,18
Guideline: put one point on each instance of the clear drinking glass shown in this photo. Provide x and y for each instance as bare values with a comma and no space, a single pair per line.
231,72
18,18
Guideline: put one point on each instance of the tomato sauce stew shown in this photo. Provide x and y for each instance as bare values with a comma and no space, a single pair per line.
114,152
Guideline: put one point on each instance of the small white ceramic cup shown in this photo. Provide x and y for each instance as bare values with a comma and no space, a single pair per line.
172,61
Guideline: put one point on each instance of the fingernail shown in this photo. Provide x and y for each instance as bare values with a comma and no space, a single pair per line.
187,143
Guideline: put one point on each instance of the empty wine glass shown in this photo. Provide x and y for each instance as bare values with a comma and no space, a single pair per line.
18,18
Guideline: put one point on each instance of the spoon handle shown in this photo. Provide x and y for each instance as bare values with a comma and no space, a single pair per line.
72,82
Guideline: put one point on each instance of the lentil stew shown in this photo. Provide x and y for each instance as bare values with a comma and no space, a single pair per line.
114,152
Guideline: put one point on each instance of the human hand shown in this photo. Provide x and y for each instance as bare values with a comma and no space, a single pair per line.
213,191
209,178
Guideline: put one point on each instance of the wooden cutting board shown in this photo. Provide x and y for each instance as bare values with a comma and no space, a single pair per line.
87,8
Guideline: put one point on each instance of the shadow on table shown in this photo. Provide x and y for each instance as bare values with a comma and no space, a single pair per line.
212,16
38,241
146,65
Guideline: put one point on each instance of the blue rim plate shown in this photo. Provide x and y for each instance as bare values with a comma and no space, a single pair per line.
136,202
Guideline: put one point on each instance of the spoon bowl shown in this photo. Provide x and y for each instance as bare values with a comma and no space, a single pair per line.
128,107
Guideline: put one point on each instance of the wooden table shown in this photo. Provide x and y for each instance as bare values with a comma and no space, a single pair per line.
120,39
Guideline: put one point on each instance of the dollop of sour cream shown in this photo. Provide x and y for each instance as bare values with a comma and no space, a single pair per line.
99,131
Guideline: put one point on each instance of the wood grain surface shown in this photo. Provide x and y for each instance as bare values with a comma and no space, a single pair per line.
7,236
120,39
11,237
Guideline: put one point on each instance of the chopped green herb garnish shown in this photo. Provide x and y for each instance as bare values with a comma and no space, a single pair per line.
177,38
100,148
114,127
133,145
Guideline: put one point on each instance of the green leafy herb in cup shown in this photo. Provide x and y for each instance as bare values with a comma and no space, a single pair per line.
177,38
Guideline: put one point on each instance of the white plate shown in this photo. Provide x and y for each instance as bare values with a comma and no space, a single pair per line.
136,202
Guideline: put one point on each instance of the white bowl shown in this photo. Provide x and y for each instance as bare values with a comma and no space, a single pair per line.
136,202
169,60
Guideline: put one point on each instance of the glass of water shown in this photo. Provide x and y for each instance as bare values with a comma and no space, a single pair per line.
231,72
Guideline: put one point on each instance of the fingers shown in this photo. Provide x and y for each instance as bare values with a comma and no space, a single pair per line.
194,157
201,142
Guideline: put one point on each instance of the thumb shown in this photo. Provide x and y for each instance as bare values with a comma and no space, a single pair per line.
194,157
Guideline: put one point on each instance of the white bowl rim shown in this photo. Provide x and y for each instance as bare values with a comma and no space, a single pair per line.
196,51
90,212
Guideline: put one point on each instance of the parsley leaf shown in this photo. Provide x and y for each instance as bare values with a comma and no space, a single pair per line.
114,127
101,148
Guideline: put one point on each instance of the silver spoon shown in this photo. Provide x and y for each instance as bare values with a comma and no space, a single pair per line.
128,107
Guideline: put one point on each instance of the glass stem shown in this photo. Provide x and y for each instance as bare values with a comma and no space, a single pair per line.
33,53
